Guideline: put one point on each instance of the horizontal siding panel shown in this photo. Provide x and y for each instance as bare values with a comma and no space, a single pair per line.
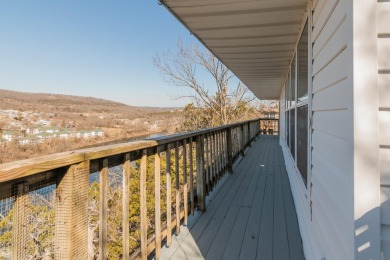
332,26
323,17
336,45
333,149
323,217
337,123
332,98
385,206
384,90
384,159
384,127
332,73
384,53
383,17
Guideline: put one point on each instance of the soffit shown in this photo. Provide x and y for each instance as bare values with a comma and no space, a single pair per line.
255,39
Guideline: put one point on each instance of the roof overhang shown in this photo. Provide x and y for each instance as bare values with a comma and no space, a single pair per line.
254,39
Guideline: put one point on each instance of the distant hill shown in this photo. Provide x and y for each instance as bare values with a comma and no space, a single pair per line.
44,102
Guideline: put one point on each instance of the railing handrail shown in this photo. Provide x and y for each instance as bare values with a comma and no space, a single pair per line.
24,168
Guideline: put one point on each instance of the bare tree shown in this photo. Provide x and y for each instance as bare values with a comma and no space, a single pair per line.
224,102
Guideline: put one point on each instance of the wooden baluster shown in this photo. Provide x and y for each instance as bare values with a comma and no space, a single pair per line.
200,176
207,163
224,149
103,250
125,205
157,199
143,208
211,164
215,157
169,195
177,188
191,177
242,144
218,155
185,188
229,150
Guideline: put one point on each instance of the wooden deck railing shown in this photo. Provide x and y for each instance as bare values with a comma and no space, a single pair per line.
121,200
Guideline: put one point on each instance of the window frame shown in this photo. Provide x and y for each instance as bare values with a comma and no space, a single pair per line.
306,102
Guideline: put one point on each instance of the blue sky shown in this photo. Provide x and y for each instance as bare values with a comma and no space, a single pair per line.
89,48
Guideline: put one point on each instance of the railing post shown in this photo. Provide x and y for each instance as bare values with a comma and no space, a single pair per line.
200,176
229,150
249,134
20,227
71,213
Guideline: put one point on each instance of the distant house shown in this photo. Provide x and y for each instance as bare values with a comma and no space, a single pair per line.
43,122
28,140
11,135
7,135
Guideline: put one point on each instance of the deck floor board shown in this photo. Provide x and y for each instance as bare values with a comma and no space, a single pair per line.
250,216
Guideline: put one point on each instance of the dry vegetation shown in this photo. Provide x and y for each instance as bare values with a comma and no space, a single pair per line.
118,121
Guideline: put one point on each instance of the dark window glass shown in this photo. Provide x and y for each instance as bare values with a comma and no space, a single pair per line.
293,85
303,51
302,116
287,128
292,132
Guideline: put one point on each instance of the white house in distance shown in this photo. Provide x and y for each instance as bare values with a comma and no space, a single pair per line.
328,62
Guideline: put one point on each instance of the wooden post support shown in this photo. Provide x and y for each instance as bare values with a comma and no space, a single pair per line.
125,205
169,195
71,208
157,205
103,250
229,149
143,208
200,176
20,226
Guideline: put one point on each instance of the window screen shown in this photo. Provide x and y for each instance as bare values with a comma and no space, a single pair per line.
302,130
303,51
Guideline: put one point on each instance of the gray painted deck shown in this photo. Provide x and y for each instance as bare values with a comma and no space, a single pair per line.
250,215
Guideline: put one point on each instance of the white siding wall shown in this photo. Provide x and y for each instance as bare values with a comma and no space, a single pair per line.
328,228
383,18
332,135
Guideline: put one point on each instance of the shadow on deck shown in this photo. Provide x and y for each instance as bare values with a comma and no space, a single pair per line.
249,215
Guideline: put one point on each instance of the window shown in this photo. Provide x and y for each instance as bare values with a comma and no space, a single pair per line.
297,96
303,51
302,116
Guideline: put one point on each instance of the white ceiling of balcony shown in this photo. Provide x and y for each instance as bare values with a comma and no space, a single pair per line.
255,39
